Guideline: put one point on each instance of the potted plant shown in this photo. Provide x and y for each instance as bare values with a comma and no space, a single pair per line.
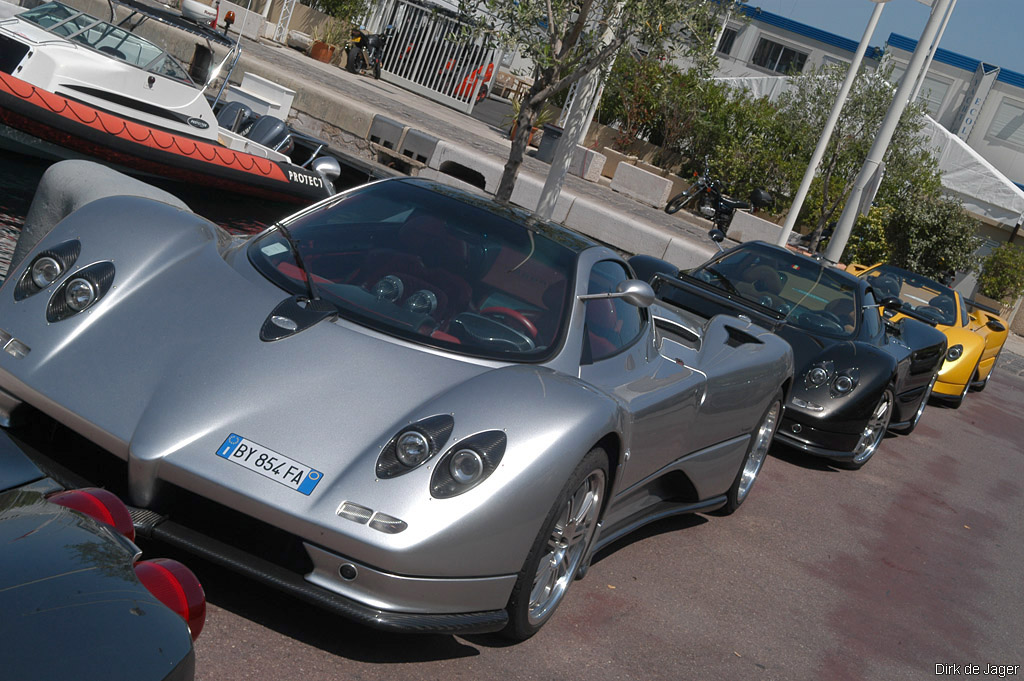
1002,276
544,116
322,48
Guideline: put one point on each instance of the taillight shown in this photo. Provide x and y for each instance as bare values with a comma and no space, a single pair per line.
175,586
100,505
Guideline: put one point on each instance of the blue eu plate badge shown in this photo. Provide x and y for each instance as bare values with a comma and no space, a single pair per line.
270,464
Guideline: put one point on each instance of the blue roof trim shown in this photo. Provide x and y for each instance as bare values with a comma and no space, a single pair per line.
1019,185
902,42
782,22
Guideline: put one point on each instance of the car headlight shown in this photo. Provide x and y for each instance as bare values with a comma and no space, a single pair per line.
80,291
412,448
819,374
954,353
46,268
844,383
467,464
79,294
413,445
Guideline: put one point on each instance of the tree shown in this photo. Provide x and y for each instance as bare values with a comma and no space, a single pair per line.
911,169
1002,274
567,39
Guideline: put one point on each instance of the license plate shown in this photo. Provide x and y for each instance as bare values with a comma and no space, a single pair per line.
270,464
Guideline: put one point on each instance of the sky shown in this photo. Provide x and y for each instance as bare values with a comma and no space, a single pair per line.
987,30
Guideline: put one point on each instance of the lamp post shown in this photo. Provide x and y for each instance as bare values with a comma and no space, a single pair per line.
830,124
873,163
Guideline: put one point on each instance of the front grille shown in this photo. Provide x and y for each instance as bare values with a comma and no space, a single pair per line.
11,54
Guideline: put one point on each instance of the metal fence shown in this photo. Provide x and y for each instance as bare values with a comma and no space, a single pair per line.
425,55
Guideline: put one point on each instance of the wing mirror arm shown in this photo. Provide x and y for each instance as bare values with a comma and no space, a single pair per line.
633,291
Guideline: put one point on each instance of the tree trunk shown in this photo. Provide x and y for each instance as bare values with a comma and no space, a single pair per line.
524,125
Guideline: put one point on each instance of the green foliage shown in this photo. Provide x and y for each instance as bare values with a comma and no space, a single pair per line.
634,92
347,10
932,236
567,40
868,243
1002,274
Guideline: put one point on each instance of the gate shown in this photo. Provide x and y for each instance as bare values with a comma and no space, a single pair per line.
422,53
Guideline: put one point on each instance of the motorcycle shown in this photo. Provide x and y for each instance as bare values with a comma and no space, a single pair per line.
366,51
710,200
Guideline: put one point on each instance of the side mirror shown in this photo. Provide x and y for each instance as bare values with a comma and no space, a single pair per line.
717,235
891,303
633,291
637,293
995,325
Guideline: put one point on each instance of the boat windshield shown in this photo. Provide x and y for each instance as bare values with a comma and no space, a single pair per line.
107,38
430,267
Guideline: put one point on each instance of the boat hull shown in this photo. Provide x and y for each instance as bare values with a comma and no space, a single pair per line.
52,125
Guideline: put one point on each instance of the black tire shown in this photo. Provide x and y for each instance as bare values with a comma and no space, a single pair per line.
874,430
554,559
376,69
350,63
754,458
678,201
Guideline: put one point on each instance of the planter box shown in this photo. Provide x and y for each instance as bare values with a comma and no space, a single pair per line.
641,185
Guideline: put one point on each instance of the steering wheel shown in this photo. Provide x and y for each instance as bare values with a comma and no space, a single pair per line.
515,315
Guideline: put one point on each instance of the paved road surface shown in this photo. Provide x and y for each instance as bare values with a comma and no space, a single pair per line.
823,574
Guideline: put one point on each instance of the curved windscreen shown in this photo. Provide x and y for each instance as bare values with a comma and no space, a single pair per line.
423,265
104,37
810,294
927,297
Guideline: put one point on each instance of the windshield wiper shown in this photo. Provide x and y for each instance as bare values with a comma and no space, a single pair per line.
314,301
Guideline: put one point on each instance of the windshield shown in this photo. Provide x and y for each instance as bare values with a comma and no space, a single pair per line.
432,267
109,39
925,296
810,294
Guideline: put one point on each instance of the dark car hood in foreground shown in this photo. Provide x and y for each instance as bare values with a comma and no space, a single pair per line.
72,606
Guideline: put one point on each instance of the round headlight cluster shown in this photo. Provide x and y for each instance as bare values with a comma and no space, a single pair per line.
843,384
45,271
79,294
817,376
412,448
466,466
954,353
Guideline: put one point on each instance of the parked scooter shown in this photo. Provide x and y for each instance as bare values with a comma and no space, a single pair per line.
366,51
710,201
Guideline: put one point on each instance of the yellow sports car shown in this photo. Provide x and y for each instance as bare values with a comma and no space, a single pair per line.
976,334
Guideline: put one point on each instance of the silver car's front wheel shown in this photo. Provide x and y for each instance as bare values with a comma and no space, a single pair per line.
559,549
756,454
874,430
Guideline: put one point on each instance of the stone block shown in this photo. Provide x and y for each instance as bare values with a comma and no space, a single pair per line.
526,194
618,230
614,158
688,253
386,132
644,186
468,165
587,163
747,227
418,145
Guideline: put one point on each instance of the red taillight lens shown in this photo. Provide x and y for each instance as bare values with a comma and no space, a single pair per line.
175,586
100,505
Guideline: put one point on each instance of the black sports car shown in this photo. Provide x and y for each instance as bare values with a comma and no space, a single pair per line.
75,599
857,374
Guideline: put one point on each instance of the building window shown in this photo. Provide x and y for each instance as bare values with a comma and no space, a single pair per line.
933,91
1008,123
726,42
827,60
779,58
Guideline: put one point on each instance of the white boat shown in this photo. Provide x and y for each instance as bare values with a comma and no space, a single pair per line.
74,86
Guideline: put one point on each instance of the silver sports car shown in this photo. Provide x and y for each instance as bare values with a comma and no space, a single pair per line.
408,404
